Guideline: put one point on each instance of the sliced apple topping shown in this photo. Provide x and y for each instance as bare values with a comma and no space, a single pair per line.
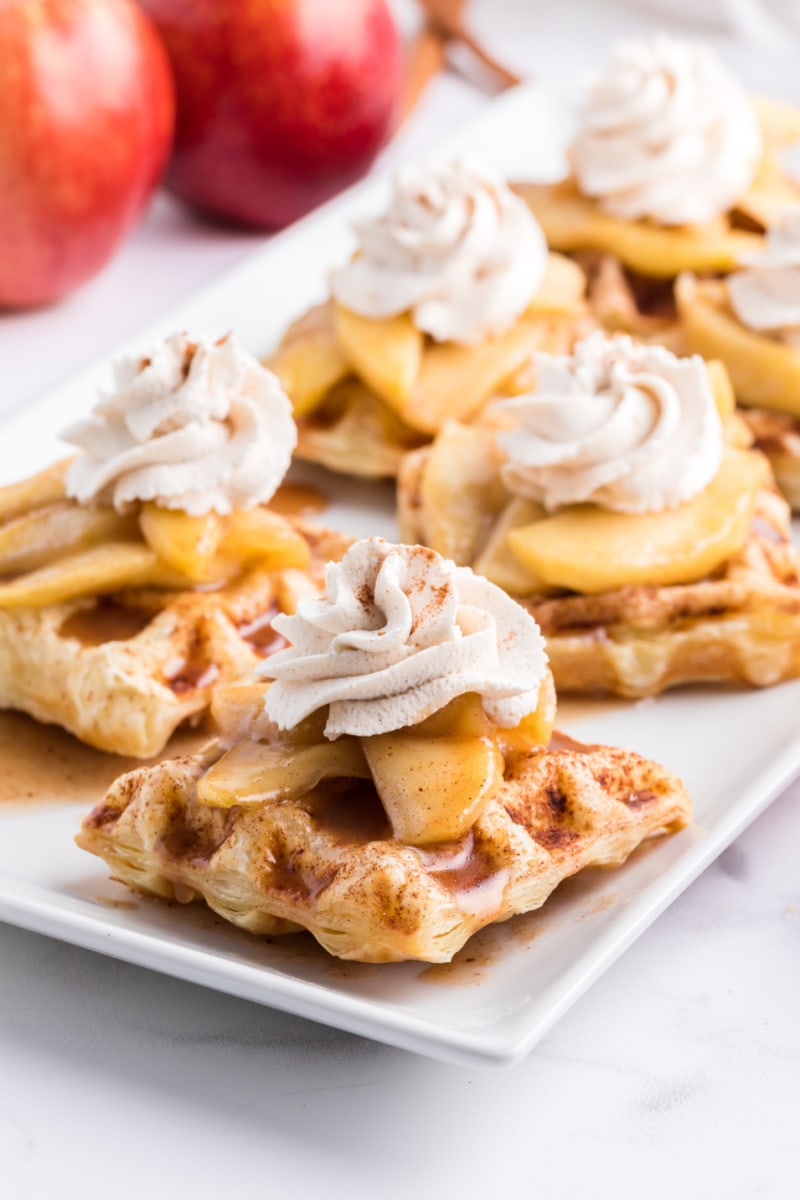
588,549
45,488
461,492
721,388
238,709
534,730
433,788
45,535
309,361
427,382
574,222
433,779
563,288
255,772
498,562
213,549
764,372
455,381
190,545
386,354
98,571
258,535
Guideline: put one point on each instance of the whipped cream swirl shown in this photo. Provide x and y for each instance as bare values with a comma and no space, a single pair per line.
455,248
195,427
666,133
401,632
766,295
628,427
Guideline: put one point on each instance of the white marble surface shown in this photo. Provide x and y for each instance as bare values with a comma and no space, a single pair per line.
676,1074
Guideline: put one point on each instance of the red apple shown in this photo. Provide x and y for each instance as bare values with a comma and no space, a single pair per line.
86,121
281,103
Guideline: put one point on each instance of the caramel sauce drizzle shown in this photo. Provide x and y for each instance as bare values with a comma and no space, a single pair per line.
43,764
298,500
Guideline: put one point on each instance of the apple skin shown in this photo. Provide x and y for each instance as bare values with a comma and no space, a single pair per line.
281,103
86,123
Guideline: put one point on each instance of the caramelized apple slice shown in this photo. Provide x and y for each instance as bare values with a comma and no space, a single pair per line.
258,772
47,487
386,354
573,222
212,549
563,288
238,709
463,717
94,572
589,549
498,563
309,360
461,492
190,545
45,535
433,788
534,730
721,388
455,381
258,535
765,373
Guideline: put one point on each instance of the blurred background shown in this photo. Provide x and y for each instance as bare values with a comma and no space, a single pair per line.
456,56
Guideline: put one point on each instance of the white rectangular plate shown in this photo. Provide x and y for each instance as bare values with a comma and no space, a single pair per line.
735,749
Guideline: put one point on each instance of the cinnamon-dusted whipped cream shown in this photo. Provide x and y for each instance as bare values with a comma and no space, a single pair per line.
666,133
628,427
197,427
455,248
766,295
400,632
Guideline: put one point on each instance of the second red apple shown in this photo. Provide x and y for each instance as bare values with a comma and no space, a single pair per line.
281,103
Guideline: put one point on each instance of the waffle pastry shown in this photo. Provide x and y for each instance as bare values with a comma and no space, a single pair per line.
742,624
326,863
777,435
621,300
123,671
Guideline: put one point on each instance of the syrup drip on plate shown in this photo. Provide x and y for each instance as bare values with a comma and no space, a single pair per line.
43,764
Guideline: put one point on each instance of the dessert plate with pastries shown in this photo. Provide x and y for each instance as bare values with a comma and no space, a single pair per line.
416,742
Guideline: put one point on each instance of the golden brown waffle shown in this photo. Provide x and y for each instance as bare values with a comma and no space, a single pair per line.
124,672
355,433
621,301
742,625
327,863
777,435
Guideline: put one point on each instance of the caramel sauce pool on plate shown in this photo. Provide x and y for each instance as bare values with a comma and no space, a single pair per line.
298,500
43,764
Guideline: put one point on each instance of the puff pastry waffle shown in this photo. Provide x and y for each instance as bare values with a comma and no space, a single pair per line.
122,673
777,435
620,301
328,865
355,433
742,624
